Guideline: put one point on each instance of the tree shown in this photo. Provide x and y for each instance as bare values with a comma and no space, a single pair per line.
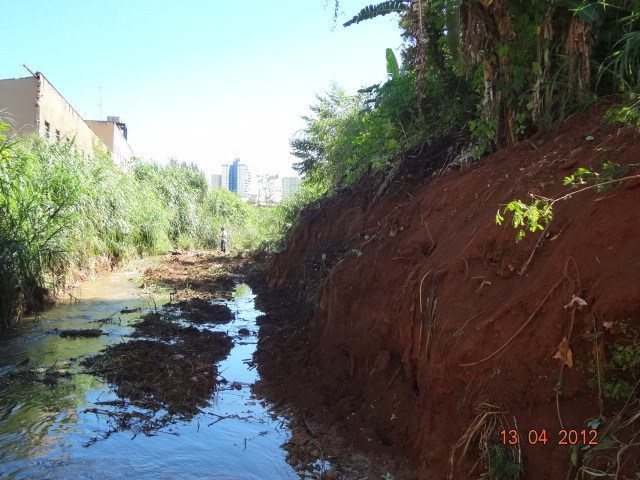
531,62
325,145
268,188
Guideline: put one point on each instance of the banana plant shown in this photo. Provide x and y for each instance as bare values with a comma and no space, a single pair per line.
393,70
384,8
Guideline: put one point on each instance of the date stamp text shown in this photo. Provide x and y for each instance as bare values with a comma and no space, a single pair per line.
544,436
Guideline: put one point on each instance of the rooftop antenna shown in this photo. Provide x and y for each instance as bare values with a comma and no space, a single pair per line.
29,70
100,88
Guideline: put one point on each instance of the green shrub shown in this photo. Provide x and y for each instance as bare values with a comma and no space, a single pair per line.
500,465
622,370
60,209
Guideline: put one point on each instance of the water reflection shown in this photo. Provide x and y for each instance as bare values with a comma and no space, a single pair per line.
48,430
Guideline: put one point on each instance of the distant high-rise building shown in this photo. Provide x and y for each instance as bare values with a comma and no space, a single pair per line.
225,176
216,180
237,178
244,181
290,185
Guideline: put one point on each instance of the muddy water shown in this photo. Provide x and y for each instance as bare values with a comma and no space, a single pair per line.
51,432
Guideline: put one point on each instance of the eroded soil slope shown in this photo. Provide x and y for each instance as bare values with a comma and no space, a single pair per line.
422,329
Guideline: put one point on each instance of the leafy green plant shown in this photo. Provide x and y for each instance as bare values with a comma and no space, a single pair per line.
500,465
622,61
628,114
325,145
36,210
603,180
389,123
620,372
383,8
393,69
534,216
539,213
353,135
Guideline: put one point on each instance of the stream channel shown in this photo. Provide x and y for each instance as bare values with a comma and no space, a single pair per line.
54,432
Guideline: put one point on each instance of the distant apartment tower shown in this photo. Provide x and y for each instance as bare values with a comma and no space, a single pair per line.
216,180
237,178
290,185
225,176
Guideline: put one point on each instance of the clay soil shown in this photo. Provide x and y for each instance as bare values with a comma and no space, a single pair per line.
403,324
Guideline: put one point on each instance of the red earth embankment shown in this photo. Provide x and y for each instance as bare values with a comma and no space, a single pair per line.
425,329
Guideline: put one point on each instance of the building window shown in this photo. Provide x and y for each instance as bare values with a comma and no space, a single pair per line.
58,135
47,129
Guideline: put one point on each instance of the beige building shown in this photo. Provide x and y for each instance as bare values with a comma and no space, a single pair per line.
33,105
113,133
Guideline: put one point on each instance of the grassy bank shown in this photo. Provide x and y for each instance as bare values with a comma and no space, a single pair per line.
60,211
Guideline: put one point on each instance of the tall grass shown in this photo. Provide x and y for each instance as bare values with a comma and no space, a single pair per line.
60,210
37,198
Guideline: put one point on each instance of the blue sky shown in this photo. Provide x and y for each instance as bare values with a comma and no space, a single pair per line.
203,81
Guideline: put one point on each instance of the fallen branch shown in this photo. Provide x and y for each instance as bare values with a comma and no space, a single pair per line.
125,415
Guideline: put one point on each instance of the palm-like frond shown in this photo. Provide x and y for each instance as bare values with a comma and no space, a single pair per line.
625,62
372,11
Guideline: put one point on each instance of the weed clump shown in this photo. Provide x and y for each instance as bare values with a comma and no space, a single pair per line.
178,377
500,465
81,333
26,372
618,376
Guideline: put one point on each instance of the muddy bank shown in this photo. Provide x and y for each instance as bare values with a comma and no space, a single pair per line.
404,319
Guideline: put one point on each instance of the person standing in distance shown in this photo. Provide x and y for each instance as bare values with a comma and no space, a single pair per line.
223,241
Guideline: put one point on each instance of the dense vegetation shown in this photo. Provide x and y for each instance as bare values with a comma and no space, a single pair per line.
61,211
483,73
480,73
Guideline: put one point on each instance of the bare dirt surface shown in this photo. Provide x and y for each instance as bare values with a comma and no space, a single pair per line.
403,324
195,275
